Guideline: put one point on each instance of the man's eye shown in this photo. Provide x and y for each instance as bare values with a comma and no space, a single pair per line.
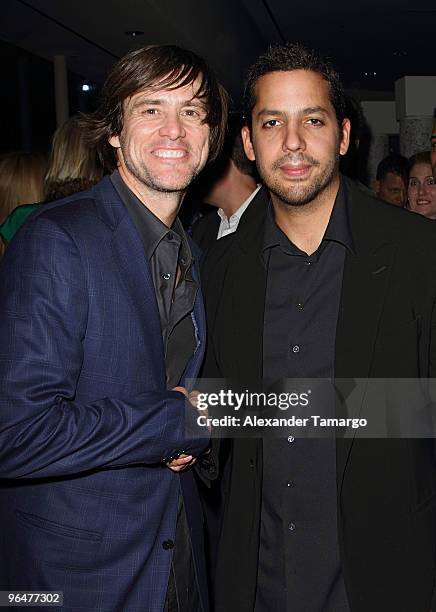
314,121
271,123
149,111
190,112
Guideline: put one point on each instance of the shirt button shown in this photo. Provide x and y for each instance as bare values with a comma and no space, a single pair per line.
290,483
170,236
291,439
300,306
308,263
296,349
167,544
166,276
291,526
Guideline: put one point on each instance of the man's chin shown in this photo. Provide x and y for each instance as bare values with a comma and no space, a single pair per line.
303,192
172,184
296,197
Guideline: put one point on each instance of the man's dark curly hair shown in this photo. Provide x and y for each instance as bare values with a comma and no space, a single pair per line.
294,56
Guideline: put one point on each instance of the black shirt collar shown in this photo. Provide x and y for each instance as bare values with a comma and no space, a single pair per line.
150,228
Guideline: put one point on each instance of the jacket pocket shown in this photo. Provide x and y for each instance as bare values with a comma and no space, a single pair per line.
33,520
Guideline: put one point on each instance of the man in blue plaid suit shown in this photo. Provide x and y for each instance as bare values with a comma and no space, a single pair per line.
102,327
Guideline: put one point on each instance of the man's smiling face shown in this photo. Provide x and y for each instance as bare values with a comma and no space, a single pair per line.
164,142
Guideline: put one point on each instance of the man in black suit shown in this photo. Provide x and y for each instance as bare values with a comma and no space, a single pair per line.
320,281
229,185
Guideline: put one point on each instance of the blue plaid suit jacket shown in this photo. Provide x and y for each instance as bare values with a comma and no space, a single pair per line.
85,417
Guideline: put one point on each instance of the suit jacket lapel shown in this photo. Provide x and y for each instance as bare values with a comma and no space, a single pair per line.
365,280
249,282
199,323
135,275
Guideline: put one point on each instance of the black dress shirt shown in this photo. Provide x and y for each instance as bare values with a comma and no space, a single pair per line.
170,259
299,563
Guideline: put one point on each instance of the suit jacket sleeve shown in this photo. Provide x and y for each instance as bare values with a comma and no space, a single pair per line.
44,430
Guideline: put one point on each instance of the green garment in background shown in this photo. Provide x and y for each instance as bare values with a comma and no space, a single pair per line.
15,220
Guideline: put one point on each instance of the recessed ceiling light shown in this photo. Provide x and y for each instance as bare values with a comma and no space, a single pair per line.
134,33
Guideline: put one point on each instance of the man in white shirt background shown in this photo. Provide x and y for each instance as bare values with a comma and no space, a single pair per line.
229,185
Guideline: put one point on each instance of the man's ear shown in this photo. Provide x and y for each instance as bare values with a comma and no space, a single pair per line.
345,137
114,140
248,145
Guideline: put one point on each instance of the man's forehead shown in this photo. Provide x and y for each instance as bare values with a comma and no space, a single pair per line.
393,177
182,90
292,86
304,77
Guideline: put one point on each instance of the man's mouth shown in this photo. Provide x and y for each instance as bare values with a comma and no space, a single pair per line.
295,170
423,202
170,153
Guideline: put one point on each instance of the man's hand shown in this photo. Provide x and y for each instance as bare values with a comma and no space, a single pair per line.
192,396
181,463
184,461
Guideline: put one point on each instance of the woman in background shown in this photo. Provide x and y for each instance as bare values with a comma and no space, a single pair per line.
73,167
421,190
21,182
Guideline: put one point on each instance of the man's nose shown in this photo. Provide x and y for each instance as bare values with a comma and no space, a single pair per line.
172,127
294,138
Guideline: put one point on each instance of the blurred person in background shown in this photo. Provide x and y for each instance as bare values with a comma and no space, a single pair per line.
74,164
21,182
390,184
73,167
421,189
229,185
433,145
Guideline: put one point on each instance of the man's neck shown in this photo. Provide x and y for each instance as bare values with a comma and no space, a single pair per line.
234,201
232,191
305,225
164,205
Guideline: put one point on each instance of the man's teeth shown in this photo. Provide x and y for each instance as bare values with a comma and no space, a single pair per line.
169,153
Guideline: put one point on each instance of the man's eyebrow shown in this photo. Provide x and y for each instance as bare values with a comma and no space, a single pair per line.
303,111
195,102
160,101
144,101
270,111
314,109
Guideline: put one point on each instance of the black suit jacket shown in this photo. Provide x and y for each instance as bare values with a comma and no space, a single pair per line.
385,487
205,231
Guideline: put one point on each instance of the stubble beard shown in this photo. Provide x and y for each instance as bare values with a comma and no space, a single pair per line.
300,192
149,179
